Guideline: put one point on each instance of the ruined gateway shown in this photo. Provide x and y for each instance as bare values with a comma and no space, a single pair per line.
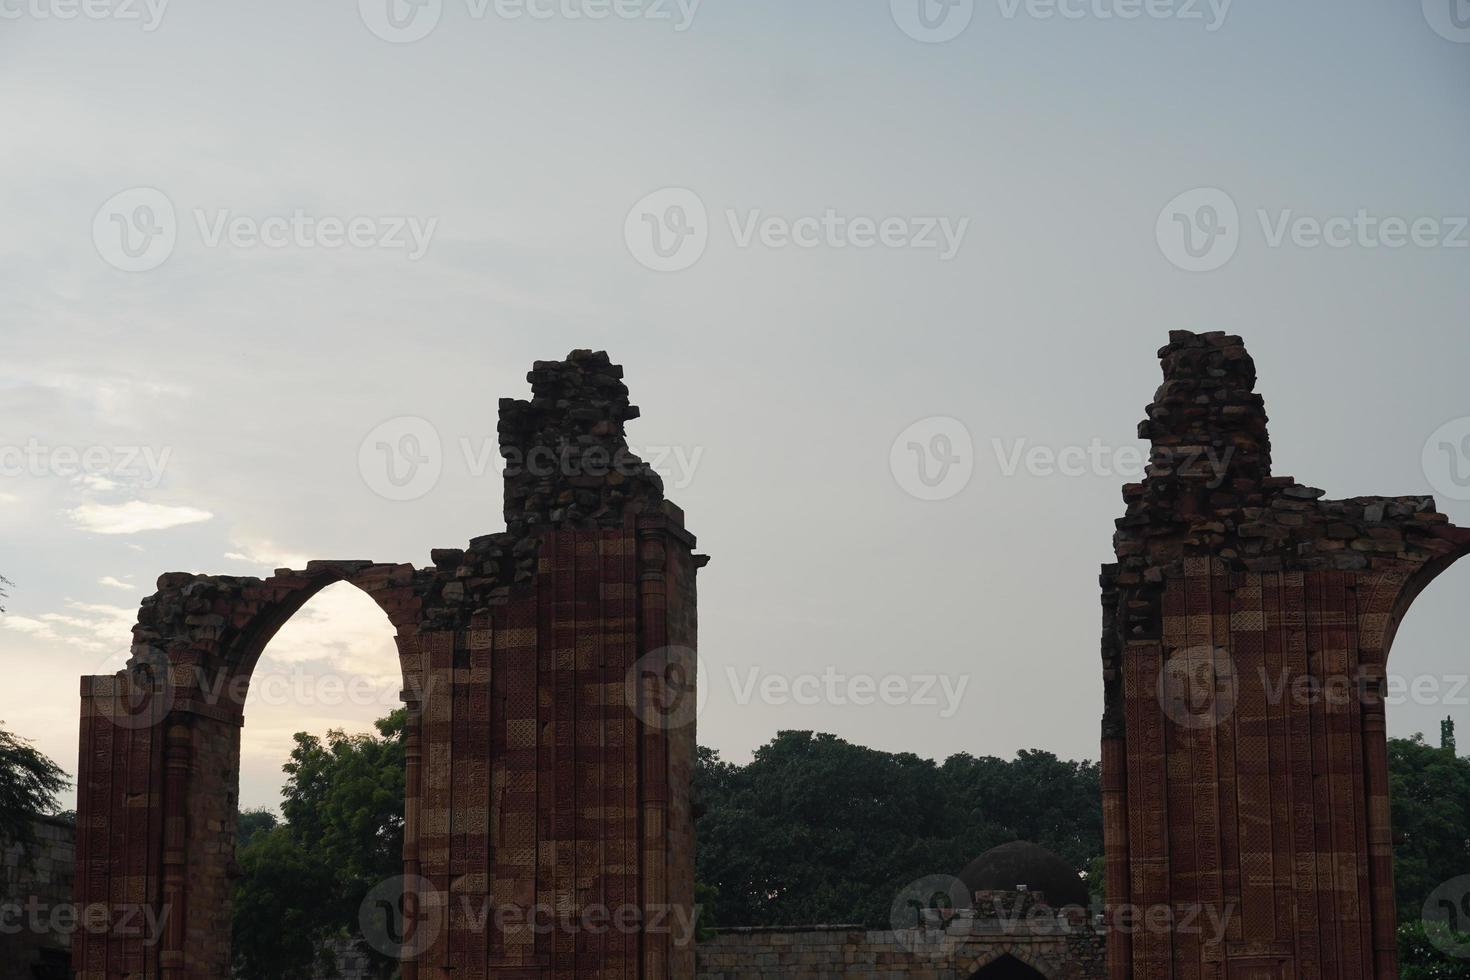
548,671
534,779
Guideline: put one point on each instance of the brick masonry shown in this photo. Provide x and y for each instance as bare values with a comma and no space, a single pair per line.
978,943
1247,623
35,900
548,756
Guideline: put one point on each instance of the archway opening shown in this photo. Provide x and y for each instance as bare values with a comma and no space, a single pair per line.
321,790
1427,714
1008,967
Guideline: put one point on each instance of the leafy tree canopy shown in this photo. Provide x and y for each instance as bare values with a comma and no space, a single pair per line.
29,782
303,880
816,829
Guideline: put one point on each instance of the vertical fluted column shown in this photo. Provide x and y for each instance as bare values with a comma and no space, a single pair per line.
178,756
1380,830
654,757
1115,835
412,763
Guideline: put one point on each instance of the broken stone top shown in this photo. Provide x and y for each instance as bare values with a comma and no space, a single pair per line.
1209,490
1206,421
567,466
567,460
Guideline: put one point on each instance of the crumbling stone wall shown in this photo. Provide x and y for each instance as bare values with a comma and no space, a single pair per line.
36,916
1236,782
543,771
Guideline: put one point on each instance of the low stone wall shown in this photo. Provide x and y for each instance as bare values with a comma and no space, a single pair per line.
35,903
1057,948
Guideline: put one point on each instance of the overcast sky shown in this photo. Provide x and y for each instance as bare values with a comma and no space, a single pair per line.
239,239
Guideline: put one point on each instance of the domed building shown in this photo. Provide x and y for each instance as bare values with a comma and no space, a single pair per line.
1022,866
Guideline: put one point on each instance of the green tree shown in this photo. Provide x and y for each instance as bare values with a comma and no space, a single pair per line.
288,902
303,881
1430,799
344,798
1420,959
4,593
816,829
253,822
29,782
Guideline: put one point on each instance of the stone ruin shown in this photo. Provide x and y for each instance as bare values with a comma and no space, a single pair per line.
533,778
549,751
1235,783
